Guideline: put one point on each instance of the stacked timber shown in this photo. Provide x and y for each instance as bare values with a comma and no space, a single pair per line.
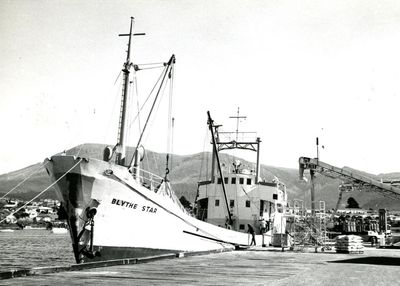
349,244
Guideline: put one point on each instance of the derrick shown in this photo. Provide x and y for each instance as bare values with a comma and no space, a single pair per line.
351,180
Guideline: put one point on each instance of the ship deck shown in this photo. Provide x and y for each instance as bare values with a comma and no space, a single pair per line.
256,266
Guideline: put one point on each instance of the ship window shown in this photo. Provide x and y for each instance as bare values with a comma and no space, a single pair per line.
216,203
241,227
249,181
233,181
247,204
232,203
280,208
241,181
226,180
219,181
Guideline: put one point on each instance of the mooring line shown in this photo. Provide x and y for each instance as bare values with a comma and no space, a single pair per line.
45,190
214,239
23,181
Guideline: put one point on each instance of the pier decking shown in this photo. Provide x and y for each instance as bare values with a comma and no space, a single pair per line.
258,266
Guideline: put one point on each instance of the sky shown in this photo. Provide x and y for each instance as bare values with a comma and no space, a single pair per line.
297,69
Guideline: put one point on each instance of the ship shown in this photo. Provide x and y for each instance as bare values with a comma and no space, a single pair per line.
117,210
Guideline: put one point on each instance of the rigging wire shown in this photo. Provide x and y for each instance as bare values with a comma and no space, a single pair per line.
129,104
170,123
154,161
137,102
116,80
171,87
162,64
253,206
157,107
45,190
111,116
149,68
170,120
147,161
172,143
208,156
23,181
80,149
161,88
148,97
203,157
237,204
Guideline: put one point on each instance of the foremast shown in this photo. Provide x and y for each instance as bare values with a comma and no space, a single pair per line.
121,140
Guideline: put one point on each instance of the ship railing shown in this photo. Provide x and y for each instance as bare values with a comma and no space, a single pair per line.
149,180
153,182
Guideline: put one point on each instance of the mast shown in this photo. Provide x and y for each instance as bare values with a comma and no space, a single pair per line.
121,140
215,151
237,117
258,141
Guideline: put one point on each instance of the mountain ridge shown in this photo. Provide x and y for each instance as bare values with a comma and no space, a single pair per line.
187,170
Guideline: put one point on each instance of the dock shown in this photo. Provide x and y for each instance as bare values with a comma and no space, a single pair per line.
256,266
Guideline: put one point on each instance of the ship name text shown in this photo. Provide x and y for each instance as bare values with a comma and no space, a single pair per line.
134,206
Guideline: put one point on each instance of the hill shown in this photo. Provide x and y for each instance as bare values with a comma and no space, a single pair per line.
189,169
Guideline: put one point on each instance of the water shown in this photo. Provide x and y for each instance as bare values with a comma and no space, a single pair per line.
34,248
39,247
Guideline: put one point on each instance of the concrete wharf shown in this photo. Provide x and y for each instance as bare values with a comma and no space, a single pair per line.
256,266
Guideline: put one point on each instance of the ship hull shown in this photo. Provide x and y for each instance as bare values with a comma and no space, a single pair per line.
113,216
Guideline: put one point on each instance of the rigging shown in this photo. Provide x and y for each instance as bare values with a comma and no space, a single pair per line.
212,126
121,152
133,163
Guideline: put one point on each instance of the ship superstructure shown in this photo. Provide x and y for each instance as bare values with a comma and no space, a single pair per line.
236,196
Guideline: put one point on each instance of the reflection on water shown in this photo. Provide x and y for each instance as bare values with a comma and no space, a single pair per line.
34,248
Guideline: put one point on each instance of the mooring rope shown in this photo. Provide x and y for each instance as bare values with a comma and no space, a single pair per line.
23,181
45,190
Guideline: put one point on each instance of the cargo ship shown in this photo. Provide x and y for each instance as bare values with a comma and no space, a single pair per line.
117,210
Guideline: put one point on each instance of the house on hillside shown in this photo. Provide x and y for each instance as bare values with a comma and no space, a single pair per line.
352,211
32,213
4,213
11,205
43,217
50,202
11,219
32,205
45,210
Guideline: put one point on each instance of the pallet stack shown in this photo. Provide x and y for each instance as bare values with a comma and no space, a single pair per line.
352,244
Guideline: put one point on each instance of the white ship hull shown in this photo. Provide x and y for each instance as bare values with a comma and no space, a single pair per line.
131,220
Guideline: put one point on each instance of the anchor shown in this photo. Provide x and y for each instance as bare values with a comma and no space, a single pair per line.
89,253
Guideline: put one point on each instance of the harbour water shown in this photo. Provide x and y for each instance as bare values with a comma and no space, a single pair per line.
258,266
34,248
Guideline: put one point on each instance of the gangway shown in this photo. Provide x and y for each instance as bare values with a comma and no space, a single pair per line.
352,180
